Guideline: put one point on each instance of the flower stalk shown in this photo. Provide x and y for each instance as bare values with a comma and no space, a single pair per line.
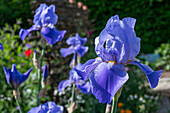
115,100
39,73
16,94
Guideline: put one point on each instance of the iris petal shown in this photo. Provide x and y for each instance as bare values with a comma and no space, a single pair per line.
67,51
25,75
83,70
106,80
124,30
130,21
77,40
45,72
7,73
24,32
1,47
81,50
52,35
153,76
85,87
63,84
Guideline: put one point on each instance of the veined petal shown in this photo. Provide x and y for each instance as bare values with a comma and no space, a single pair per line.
106,80
67,51
81,50
153,76
85,87
24,32
83,70
63,84
1,47
52,35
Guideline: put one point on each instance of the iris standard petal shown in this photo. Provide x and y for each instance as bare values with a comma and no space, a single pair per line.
63,84
82,40
81,50
77,40
106,80
24,32
67,51
37,20
52,35
1,47
130,21
125,32
153,76
83,70
25,75
7,73
45,72
48,16
111,20
85,87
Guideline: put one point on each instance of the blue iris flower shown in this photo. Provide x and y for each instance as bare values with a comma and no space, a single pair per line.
49,107
44,20
1,47
116,46
14,78
77,47
84,86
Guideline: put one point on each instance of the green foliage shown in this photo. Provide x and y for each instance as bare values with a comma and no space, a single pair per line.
152,16
10,10
164,61
14,54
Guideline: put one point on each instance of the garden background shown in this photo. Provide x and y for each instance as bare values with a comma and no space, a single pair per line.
152,26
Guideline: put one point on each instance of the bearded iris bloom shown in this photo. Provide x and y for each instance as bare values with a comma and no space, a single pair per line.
14,78
44,20
77,47
1,47
116,46
84,86
49,107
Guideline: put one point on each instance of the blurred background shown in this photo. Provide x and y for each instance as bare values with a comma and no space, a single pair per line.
88,18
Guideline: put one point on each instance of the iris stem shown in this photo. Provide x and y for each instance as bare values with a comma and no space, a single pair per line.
114,105
16,95
73,94
39,74
20,110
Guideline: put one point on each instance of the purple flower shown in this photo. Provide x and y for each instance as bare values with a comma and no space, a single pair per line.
44,20
1,47
45,71
84,86
14,78
49,107
116,46
77,46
